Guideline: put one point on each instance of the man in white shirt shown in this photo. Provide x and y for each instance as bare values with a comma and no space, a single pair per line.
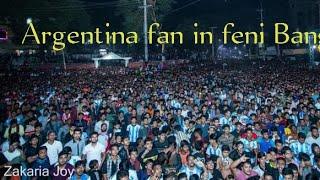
12,153
103,137
314,138
94,150
54,147
97,127
184,111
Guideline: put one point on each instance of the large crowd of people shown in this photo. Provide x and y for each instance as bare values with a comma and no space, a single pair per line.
192,122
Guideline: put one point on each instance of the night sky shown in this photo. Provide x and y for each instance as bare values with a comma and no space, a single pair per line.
216,12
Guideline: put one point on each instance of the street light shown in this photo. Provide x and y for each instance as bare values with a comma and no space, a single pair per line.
29,20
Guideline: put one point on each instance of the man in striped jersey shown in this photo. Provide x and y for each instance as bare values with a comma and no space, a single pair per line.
300,146
133,131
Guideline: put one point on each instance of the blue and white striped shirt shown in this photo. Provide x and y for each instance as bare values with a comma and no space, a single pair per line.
133,131
213,151
297,148
249,145
196,170
224,120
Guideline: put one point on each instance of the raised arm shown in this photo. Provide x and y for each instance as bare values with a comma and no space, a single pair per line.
236,163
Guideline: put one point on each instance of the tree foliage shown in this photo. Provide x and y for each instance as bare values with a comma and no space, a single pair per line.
131,11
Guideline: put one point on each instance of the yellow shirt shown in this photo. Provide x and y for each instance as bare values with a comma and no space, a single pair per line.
14,130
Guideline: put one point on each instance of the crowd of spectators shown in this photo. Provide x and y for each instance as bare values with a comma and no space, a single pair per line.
197,121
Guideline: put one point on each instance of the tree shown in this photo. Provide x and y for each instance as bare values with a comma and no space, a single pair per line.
132,12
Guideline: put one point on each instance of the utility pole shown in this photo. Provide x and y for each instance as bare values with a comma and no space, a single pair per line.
262,30
145,14
212,45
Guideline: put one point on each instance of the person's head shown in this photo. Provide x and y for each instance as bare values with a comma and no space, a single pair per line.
148,144
314,132
287,174
42,152
198,145
63,158
94,164
216,122
210,164
279,145
226,129
191,160
37,127
94,137
184,146
249,133
118,138
13,145
302,122
194,177
265,133
133,154
117,125
182,176
301,137
213,139
227,113
261,158
79,168
102,117
51,136
104,127
305,158
230,177
272,153
239,146
281,163
123,175
295,170
267,176
162,136
225,150
246,167
315,149
125,141
157,170
114,150
133,120
53,116
148,165
34,140
287,153
80,116
77,134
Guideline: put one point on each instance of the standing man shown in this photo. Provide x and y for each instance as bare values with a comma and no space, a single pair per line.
133,131
94,150
76,144
53,147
